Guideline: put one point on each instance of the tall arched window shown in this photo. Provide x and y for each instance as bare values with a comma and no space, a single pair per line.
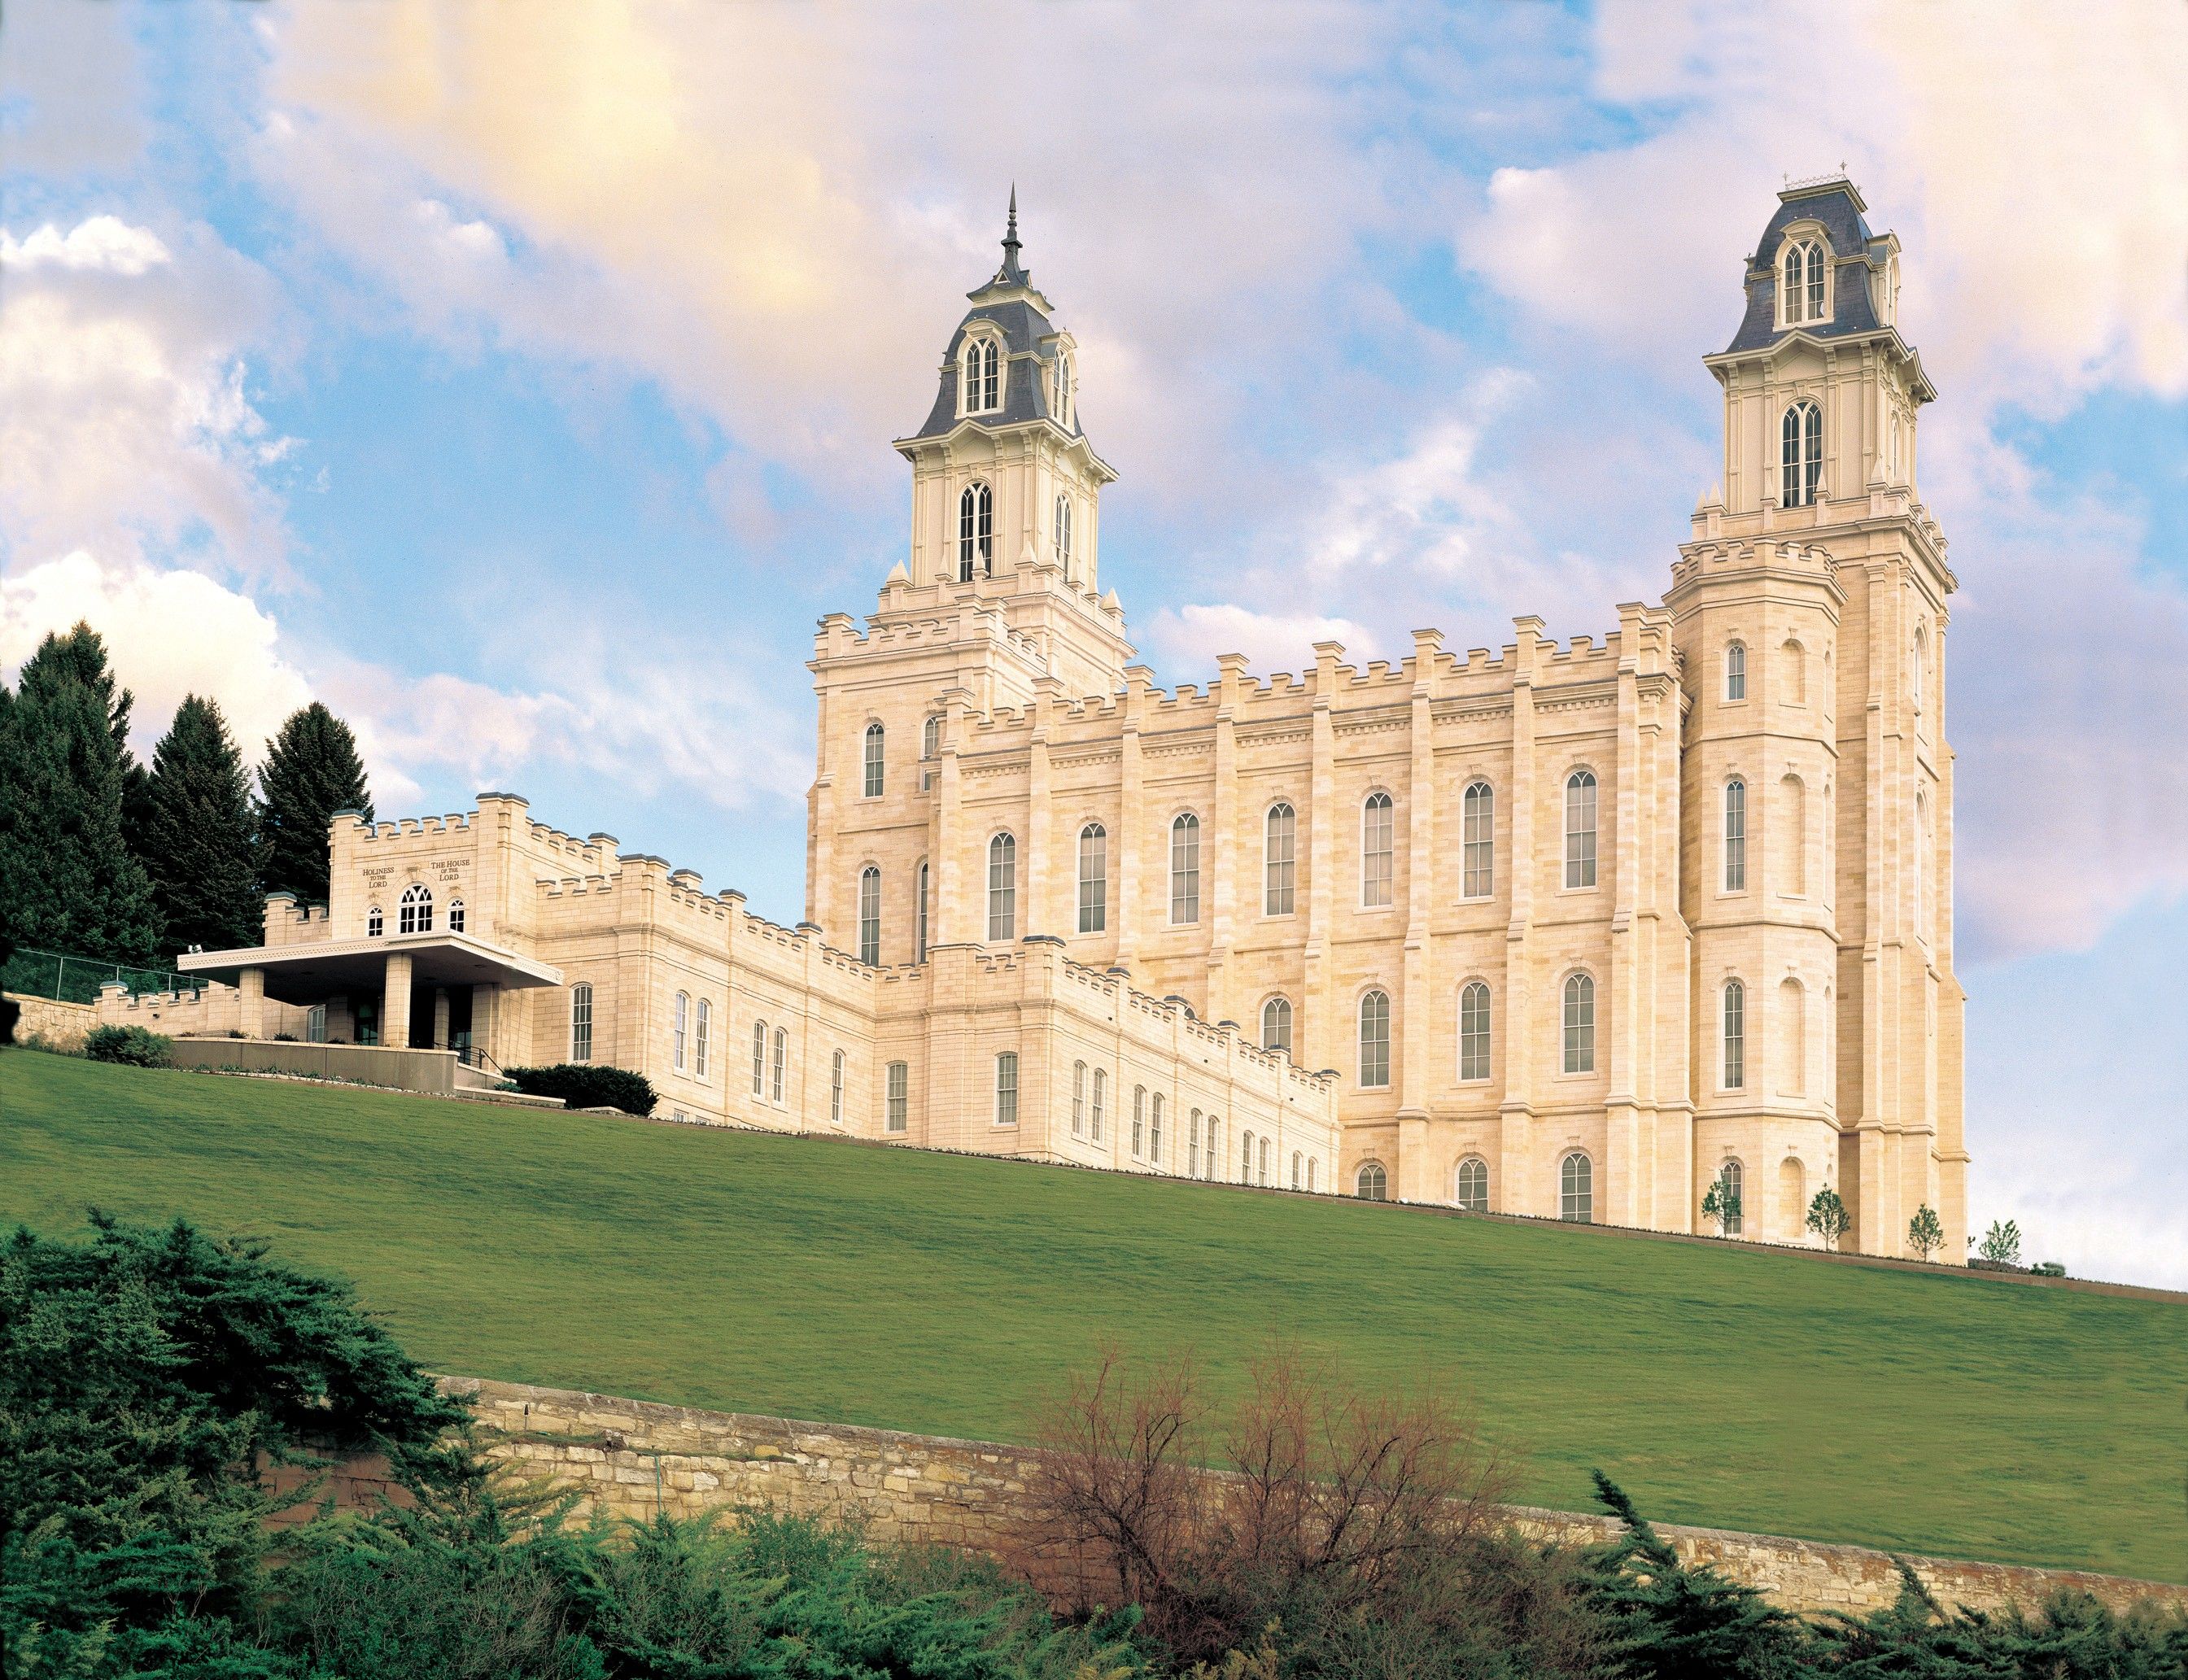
1791,1028
1006,1088
1093,878
1185,870
1735,671
415,914
1280,835
981,386
1734,1177
1277,1024
702,1021
1735,1035
896,1097
1580,829
1478,861
1139,1121
1002,888
1298,1181
1246,1158
1791,828
1154,1127
930,739
1801,454
759,1058
375,924
1373,1184
1310,1167
1100,1108
1576,1189
1374,1040
1375,861
1214,1157
1580,1024
1064,391
1801,283
1078,1099
1792,673
581,1021
873,784
456,915
779,1073
1264,1178
836,1089
1192,1144
976,532
870,915
1735,836
919,917
1473,1031
1918,666
1063,535
1473,1188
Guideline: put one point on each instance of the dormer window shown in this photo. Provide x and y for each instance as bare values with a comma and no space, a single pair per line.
976,533
1801,454
1064,391
1063,535
1801,283
980,382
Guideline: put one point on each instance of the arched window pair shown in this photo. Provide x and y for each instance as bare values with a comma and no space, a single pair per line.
1472,1186
1087,1122
1372,1183
1801,283
688,1030
1801,454
980,385
1277,1024
976,532
415,914
870,915
770,1076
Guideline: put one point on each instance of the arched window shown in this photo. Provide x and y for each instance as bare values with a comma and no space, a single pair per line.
374,925
1735,1035
870,915
1192,1145
1792,1030
1139,1121
873,782
759,1058
930,739
1006,1088
1264,1179
1580,1023
455,916
1801,454
1373,1184
702,1021
1801,283
1473,1031
1063,535
1277,1024
896,1097
1246,1158
1576,1189
1154,1127
982,389
1280,832
919,917
1375,863
1918,666
415,914
1580,829
1735,671
976,532
779,1073
1093,878
1793,1194
1735,836
1064,392
1473,1188
1311,1166
1791,846
1792,673
1298,1159
1734,1177
1478,865
1002,888
581,1021
836,1089
1214,1157
1185,870
1374,1040
1078,1099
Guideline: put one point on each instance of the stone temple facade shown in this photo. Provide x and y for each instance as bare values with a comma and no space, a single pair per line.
1573,931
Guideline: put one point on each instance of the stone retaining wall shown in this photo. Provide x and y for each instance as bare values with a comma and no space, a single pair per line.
634,1458
60,1025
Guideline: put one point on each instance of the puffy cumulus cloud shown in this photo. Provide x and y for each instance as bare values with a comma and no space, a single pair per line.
126,424
2035,185
168,632
773,213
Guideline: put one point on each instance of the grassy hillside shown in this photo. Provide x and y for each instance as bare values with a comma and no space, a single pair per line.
1740,1389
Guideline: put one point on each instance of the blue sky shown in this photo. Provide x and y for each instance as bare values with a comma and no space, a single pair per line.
521,381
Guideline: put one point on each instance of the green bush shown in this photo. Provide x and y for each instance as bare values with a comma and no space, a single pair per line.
583,1086
132,1047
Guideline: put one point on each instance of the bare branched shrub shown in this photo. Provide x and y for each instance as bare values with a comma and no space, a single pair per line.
1361,1532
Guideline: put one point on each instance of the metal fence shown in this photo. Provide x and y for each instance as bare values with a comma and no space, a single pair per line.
76,979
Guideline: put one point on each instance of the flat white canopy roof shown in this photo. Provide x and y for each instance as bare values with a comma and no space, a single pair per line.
312,973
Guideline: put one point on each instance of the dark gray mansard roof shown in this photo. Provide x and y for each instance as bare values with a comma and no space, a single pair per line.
1025,393
1835,205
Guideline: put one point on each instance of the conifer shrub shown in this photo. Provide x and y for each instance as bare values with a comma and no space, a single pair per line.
131,1046
585,1084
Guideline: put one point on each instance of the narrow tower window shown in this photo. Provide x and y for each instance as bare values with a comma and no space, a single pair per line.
1580,829
1093,878
870,915
976,532
873,784
1580,1024
1478,876
1735,836
1281,831
1735,672
1063,535
1002,888
1735,1035
1473,1031
919,918
1277,1024
1374,1040
1185,870
1375,846
1801,454
581,1021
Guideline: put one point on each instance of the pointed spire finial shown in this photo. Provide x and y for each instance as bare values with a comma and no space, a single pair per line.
1010,271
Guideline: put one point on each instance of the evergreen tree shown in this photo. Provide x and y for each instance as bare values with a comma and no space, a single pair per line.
80,657
199,839
311,770
69,880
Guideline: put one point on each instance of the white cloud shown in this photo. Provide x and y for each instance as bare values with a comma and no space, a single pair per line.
99,242
1189,638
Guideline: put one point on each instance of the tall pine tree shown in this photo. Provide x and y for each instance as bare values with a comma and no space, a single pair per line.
69,880
198,840
311,770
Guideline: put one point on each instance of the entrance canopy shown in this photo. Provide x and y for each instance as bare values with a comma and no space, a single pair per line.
310,973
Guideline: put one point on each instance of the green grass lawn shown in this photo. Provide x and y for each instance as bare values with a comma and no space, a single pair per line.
1740,1388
